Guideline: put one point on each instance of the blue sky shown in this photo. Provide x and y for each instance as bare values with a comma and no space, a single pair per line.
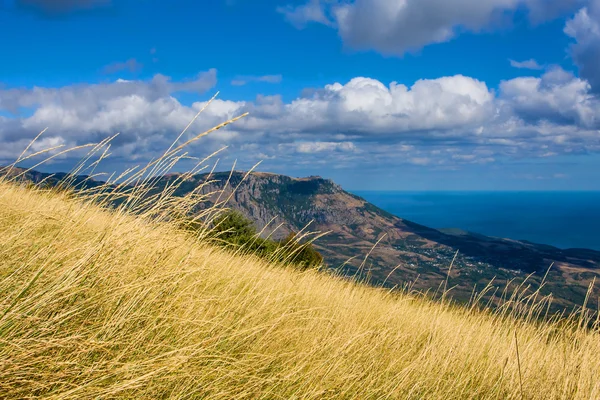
376,94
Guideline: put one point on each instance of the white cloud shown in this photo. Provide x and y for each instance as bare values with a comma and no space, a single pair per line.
299,16
394,27
527,64
584,28
420,160
89,97
142,111
318,147
438,123
557,96
367,106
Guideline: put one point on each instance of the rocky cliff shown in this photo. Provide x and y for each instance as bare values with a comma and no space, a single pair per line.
406,252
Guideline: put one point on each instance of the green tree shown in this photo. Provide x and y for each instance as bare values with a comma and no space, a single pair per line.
233,227
302,254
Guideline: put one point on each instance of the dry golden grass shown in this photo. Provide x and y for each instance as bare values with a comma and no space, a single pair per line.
102,304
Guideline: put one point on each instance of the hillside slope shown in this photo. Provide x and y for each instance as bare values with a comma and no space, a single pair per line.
97,304
408,252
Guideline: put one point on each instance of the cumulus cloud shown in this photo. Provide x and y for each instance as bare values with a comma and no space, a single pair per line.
558,97
90,98
584,28
144,112
437,123
394,27
527,64
367,105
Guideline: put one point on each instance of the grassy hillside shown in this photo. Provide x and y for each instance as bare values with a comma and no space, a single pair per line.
99,304
405,251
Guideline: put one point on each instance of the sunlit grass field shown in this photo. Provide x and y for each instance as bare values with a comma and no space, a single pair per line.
103,304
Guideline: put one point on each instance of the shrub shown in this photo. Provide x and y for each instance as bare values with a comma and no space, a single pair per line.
232,229
303,254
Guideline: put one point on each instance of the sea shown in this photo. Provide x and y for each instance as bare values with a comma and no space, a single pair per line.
561,219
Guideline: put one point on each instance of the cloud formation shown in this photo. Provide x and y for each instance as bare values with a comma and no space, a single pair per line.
319,147
144,112
557,97
584,28
527,64
437,123
395,27
91,97
299,16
